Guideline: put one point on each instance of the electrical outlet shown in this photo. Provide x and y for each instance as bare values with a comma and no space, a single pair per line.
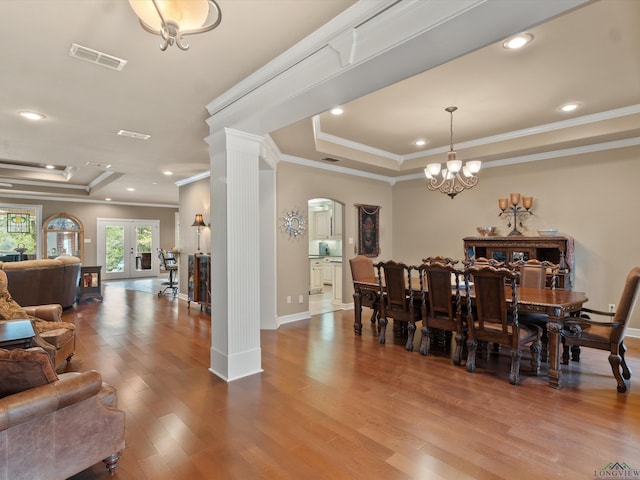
300,299
612,307
288,298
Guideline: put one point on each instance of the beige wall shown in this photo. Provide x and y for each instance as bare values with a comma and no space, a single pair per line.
89,212
296,185
193,198
589,197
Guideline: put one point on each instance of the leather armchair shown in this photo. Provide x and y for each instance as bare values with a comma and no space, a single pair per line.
56,337
52,334
57,430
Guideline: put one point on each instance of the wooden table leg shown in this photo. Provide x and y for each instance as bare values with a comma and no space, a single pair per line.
357,312
554,354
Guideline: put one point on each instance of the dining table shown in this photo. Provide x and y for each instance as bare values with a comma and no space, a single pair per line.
557,304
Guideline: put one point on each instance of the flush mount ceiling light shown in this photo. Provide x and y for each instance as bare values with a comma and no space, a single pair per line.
171,19
337,111
518,41
32,115
451,182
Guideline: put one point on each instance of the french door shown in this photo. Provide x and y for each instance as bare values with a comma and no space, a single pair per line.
128,248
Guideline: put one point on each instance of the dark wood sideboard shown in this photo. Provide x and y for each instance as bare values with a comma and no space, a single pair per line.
557,249
199,276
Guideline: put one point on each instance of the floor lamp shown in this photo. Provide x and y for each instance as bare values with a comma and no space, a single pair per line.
199,223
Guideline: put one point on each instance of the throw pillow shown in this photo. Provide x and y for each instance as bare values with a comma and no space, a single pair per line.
24,369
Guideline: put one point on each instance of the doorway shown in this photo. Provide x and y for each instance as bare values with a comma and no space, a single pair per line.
325,255
127,248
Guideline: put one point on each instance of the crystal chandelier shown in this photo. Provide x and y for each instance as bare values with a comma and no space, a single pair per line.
171,19
455,177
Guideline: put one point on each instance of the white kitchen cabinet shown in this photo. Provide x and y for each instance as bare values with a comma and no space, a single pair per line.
337,283
315,275
336,220
327,272
323,225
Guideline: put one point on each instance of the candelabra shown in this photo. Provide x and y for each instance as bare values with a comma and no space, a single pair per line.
519,213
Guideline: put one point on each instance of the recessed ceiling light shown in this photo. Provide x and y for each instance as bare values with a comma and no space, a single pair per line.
32,115
131,189
49,167
518,41
337,111
569,107
421,142
108,199
167,172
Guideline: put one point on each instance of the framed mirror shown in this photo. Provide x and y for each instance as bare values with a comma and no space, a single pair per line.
63,235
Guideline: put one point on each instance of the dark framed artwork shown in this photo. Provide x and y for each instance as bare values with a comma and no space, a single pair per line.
368,231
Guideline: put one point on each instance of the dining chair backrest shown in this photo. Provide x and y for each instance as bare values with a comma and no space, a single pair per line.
394,277
533,273
362,268
490,299
437,279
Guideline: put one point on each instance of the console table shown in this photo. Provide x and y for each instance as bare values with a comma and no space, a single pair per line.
558,250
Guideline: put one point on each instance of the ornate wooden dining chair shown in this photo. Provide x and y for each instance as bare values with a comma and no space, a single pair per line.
491,321
441,310
362,270
397,300
605,335
537,274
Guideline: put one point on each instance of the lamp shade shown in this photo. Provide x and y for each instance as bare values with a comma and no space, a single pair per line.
189,14
198,222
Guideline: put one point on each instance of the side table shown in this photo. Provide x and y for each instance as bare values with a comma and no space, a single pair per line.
90,282
16,334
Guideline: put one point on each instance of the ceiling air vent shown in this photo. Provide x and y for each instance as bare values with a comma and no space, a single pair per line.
94,56
130,134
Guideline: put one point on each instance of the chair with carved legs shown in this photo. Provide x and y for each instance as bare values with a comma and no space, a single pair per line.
583,331
491,321
537,274
397,299
439,310
362,271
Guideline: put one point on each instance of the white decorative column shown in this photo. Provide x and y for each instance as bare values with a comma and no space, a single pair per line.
235,254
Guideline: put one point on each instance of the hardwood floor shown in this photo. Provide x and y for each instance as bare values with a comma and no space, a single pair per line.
330,405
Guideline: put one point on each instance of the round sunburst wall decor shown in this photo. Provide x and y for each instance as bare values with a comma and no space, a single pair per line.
293,223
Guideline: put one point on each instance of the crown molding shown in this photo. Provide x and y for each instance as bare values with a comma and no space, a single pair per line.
567,152
55,198
336,169
195,178
525,132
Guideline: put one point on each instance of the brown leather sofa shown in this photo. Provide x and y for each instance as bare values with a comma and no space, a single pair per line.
58,429
40,282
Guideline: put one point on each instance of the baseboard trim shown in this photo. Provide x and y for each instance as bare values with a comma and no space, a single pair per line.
294,317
